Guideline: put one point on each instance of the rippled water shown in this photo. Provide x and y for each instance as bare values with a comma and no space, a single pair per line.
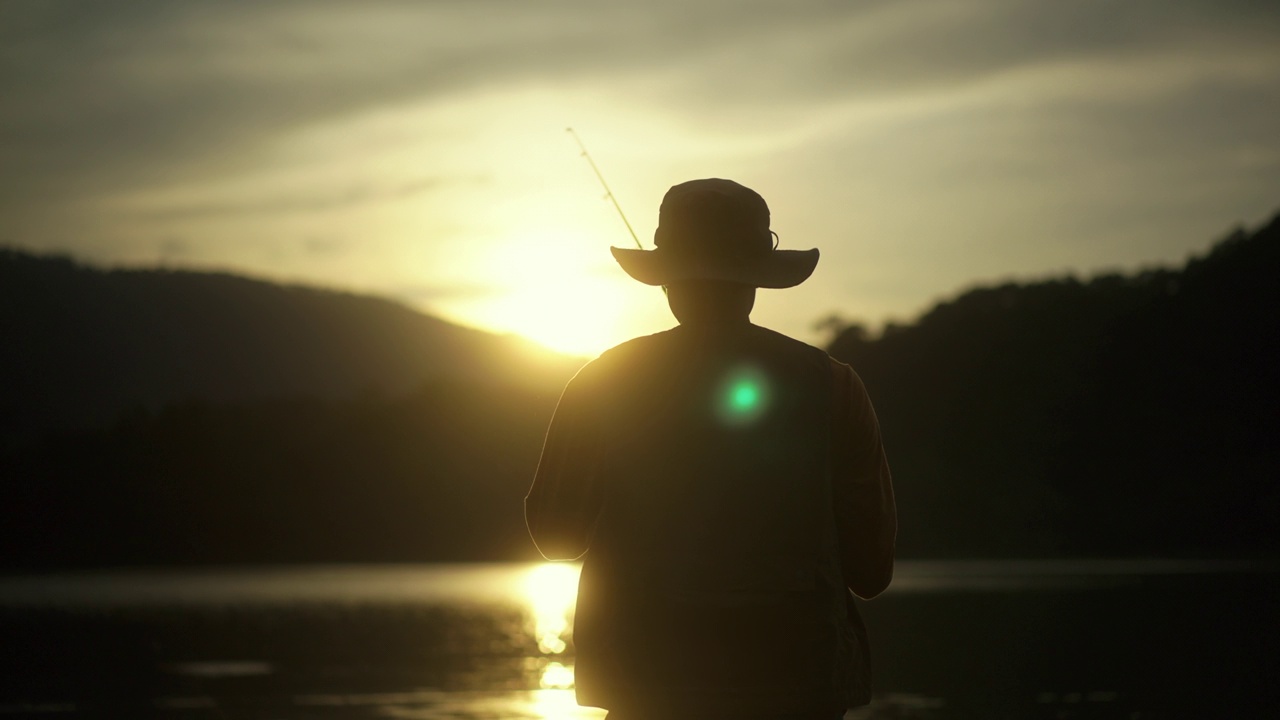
952,639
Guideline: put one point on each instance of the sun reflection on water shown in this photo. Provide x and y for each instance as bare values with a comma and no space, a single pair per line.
550,590
557,677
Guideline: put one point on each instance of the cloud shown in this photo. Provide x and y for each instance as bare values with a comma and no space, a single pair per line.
103,93
173,249
320,246
317,201
424,294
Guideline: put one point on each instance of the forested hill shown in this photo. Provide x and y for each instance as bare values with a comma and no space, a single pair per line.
82,345
1124,414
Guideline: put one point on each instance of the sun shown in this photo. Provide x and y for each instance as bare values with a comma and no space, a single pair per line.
561,295
576,316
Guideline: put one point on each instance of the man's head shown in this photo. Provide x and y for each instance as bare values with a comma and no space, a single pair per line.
716,230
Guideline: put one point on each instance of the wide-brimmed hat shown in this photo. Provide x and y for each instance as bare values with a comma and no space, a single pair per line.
716,229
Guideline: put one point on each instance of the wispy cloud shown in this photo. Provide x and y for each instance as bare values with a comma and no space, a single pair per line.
96,94
428,294
319,201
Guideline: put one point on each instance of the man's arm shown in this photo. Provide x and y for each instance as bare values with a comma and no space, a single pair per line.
564,502
866,516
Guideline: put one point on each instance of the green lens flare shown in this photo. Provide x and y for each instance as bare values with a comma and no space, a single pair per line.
746,395
743,398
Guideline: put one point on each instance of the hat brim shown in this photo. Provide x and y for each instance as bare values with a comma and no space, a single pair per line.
776,269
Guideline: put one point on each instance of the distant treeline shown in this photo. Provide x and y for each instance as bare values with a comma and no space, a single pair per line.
1125,414
1121,415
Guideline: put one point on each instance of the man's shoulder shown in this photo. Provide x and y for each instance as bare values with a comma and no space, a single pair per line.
629,348
798,351
786,340
644,349
619,356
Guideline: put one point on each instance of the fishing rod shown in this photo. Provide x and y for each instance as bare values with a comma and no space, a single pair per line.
607,192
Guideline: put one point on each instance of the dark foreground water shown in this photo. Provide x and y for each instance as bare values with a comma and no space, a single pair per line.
1138,639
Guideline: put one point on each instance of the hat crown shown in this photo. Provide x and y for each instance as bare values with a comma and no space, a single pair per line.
713,217
715,229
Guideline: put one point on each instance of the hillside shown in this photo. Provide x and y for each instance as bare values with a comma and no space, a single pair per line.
82,345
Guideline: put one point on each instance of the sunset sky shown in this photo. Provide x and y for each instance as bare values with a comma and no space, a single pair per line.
417,149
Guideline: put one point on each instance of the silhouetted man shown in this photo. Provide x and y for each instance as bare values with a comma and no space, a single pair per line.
728,486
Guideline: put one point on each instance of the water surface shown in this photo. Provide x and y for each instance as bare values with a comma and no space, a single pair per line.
1053,639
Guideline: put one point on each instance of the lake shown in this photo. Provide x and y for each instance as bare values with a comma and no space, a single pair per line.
973,639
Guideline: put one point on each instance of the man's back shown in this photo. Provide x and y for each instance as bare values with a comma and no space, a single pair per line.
714,576
714,461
